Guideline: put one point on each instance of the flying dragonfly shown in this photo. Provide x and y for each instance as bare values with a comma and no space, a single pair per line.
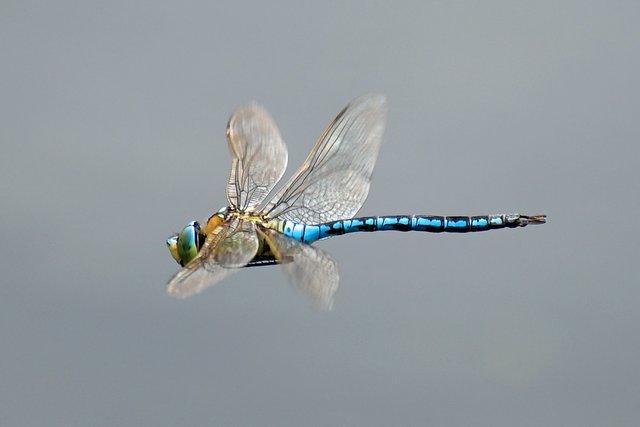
319,201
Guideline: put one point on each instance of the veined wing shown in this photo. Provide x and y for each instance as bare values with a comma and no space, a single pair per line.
334,180
259,156
230,246
310,269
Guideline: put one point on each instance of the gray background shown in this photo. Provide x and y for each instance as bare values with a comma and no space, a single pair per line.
112,129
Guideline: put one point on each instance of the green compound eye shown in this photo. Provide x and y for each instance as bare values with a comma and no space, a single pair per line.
188,242
185,246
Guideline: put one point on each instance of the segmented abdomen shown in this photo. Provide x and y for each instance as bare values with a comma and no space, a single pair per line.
309,233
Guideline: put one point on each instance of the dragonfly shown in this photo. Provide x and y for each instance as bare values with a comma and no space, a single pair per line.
319,201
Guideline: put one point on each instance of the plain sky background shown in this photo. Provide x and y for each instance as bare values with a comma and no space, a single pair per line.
112,137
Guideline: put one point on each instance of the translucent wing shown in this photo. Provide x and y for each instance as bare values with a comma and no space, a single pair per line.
259,156
195,277
230,246
310,269
334,180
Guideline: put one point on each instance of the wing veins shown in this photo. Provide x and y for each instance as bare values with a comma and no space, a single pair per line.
341,124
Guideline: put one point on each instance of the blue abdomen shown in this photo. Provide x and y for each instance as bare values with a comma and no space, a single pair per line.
309,233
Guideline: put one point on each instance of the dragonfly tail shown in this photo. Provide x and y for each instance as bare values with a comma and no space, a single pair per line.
532,219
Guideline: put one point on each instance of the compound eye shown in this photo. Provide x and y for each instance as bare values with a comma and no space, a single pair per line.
189,242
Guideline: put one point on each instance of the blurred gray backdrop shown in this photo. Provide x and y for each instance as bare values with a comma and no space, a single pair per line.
113,120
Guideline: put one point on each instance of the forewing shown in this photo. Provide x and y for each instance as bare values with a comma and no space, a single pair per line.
258,156
229,247
334,180
308,268
237,248
195,277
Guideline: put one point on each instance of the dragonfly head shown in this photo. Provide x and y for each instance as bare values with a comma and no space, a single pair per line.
185,246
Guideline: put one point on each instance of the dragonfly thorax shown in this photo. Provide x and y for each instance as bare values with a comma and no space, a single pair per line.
215,221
